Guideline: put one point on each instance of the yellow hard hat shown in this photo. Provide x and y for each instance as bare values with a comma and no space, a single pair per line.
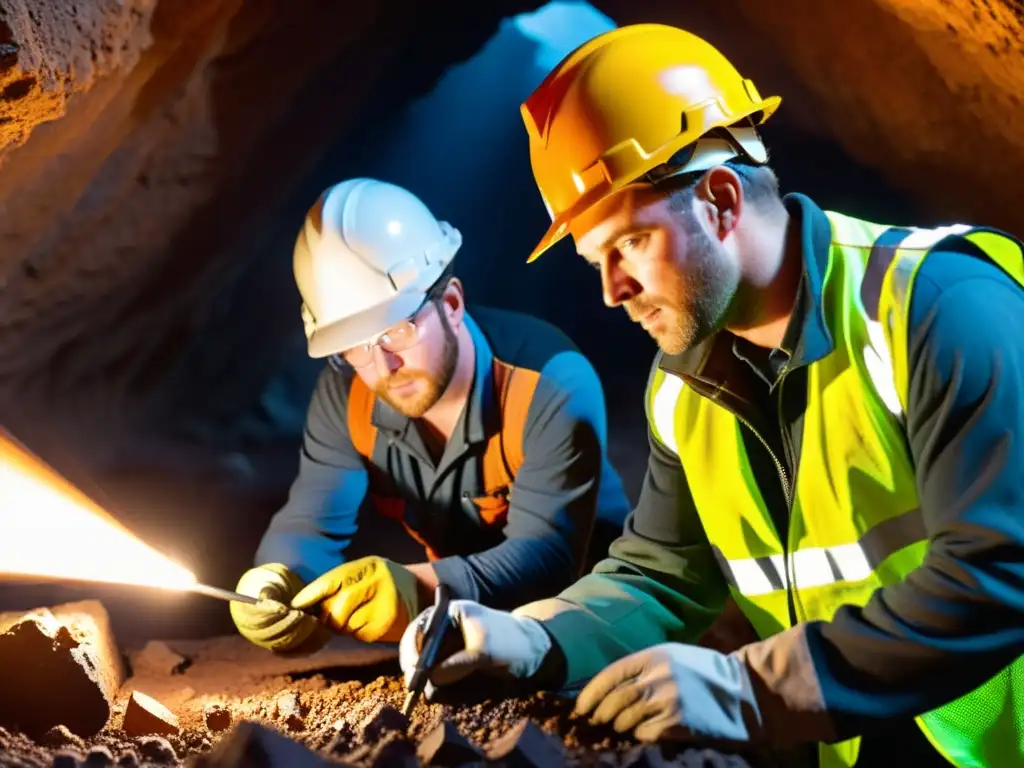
623,104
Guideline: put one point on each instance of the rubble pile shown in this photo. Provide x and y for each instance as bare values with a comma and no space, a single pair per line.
70,700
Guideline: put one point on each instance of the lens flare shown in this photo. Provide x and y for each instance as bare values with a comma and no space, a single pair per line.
50,529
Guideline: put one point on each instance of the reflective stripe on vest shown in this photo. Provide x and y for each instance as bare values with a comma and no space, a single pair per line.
662,410
855,521
818,566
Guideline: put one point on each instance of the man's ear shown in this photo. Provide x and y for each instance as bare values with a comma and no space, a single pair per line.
720,192
453,302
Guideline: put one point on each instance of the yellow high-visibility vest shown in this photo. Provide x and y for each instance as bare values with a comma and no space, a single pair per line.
855,518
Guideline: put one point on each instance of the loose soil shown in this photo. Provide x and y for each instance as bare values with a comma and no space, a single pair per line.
211,686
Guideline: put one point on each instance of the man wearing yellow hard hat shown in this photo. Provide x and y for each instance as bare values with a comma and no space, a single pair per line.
482,431
836,433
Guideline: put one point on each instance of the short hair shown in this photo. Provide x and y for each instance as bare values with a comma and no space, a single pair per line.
436,291
759,182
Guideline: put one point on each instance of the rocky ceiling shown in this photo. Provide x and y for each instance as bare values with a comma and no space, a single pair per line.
157,154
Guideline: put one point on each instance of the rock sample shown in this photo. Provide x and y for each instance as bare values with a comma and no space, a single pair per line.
58,666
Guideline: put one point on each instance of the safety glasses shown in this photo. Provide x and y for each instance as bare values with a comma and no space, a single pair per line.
397,338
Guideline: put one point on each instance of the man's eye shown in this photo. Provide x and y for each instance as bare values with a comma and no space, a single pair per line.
629,244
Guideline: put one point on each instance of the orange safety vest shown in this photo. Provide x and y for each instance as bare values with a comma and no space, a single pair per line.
514,388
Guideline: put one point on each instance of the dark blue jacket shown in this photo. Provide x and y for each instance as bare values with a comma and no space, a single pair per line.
565,489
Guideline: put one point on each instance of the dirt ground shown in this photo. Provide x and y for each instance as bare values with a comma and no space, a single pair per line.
215,686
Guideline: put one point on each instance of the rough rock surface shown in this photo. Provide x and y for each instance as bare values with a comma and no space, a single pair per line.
145,716
50,51
149,331
156,658
927,92
346,718
171,187
114,210
59,666
251,744
157,157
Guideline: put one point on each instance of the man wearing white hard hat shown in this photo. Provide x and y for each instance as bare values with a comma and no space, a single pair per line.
483,433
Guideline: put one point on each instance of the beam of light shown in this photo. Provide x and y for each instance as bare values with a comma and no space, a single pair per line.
559,27
50,529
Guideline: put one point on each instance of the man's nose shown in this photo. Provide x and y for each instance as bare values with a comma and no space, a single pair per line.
616,284
385,362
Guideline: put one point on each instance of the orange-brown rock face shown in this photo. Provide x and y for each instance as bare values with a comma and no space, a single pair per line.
925,91
156,157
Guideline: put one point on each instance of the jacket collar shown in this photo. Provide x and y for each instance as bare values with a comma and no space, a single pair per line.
807,338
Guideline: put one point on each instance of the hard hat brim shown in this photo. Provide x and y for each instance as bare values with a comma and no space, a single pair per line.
560,226
555,232
357,329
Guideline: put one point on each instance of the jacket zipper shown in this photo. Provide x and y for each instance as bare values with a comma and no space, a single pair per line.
784,434
786,492
778,464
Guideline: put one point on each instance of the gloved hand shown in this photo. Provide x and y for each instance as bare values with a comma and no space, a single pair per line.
674,691
371,598
494,641
272,624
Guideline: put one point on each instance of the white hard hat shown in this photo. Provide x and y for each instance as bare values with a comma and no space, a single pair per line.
365,259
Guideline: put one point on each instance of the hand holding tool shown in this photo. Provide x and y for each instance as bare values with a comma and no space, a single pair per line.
270,622
432,638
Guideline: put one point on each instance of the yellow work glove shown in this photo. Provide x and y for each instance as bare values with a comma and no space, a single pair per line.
371,598
272,624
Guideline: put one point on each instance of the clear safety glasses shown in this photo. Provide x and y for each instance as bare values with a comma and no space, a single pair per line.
397,338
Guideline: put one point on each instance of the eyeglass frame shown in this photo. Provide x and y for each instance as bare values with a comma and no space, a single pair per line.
380,340
338,360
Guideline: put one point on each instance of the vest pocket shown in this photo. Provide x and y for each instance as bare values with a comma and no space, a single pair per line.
493,506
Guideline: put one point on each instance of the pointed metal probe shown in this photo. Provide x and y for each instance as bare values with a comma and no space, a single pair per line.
223,594
436,629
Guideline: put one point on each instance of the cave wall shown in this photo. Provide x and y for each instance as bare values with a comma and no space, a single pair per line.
157,157
925,92
134,208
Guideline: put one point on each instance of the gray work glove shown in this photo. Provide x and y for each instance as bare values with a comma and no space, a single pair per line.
272,624
675,691
494,642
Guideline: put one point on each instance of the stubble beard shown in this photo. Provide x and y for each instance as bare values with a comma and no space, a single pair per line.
435,386
704,292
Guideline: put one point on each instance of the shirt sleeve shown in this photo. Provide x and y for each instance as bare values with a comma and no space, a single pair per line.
310,532
554,496
660,583
959,618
